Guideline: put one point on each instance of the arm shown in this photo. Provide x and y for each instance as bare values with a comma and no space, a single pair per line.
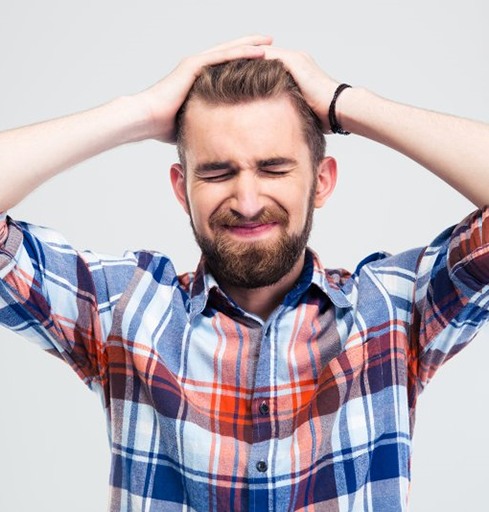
454,149
33,154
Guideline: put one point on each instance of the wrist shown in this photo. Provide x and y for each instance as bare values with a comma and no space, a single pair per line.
135,118
334,123
351,106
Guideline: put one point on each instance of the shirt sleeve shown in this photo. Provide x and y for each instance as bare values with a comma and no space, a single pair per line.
61,299
451,293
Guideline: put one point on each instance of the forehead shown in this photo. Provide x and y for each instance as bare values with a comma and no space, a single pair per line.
250,131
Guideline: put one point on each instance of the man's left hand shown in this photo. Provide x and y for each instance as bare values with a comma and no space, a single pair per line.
317,87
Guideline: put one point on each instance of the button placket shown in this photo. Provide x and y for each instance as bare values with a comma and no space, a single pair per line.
262,411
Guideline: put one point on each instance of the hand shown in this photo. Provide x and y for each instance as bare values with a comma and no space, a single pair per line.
163,100
317,87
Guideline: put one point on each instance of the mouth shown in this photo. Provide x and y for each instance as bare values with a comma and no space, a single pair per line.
250,230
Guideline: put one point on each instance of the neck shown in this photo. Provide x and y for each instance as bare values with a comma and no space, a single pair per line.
263,301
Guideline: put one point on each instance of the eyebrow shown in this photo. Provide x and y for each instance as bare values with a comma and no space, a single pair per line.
226,164
213,166
276,162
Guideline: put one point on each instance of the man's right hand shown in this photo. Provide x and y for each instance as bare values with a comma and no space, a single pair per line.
163,100
33,154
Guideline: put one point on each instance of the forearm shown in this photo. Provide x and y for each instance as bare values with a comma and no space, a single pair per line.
455,149
33,154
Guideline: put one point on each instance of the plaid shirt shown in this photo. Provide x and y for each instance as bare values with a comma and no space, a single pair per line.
212,408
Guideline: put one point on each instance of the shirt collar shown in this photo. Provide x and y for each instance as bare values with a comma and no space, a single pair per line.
328,281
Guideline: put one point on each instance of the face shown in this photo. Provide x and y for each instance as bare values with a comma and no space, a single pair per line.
249,188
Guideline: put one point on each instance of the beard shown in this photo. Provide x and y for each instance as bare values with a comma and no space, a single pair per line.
254,264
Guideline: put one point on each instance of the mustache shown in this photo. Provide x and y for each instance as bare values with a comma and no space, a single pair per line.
266,215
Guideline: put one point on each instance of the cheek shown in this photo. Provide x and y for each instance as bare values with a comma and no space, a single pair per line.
196,213
297,200
202,203
299,212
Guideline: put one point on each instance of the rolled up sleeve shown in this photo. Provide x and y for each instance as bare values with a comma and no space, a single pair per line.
451,293
59,298
468,258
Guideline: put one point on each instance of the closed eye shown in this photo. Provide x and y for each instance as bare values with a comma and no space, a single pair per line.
274,173
217,177
215,171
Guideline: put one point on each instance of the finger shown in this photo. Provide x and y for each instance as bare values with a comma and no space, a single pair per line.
297,63
272,52
237,52
253,40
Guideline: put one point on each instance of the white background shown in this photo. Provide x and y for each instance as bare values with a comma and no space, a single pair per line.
59,57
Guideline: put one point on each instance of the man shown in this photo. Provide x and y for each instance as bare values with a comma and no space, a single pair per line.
262,381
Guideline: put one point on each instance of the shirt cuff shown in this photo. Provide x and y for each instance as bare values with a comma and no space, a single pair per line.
468,258
3,228
10,241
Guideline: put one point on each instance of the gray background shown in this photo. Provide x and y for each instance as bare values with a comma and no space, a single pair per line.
58,57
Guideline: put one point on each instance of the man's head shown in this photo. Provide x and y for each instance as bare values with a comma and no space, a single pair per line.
245,80
252,170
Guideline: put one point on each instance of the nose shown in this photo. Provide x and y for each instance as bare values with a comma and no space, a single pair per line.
246,200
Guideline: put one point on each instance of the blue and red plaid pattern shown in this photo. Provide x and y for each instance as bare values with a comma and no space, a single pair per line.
213,409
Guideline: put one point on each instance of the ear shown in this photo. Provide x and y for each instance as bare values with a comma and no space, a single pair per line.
177,175
325,181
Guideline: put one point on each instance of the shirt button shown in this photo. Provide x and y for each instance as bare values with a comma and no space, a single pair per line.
264,408
262,466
